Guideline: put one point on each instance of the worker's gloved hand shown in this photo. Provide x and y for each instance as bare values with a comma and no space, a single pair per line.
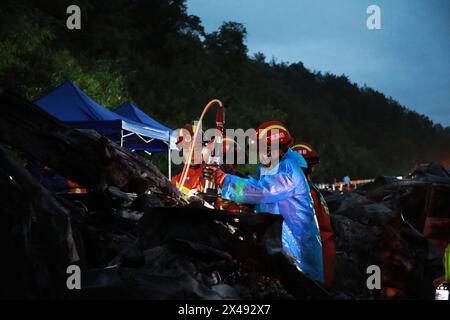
215,174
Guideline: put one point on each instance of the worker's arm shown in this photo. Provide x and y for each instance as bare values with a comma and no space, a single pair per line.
266,189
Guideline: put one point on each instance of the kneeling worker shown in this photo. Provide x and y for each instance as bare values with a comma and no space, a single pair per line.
280,188
193,182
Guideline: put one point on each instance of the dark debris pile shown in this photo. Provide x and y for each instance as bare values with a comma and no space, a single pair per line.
134,236
402,226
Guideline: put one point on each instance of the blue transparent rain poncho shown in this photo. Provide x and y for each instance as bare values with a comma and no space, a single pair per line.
284,190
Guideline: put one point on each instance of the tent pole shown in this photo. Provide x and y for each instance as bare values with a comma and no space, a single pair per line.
169,157
121,138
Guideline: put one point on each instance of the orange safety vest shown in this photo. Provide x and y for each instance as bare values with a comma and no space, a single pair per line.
192,181
326,233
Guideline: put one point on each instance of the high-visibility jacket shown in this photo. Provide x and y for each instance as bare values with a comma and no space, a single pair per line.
193,181
326,233
284,190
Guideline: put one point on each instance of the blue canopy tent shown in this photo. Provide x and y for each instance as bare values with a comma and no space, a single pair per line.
133,113
71,105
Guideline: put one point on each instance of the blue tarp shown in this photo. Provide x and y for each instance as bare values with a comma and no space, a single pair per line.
71,105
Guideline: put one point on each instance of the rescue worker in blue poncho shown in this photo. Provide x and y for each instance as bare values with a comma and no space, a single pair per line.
280,187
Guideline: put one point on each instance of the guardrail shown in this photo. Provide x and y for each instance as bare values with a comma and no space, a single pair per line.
342,186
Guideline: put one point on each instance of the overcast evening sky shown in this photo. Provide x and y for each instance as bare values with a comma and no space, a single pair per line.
408,59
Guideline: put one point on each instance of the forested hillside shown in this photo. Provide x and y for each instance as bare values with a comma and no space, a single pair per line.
156,55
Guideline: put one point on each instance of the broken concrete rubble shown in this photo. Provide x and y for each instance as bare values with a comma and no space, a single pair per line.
387,223
134,236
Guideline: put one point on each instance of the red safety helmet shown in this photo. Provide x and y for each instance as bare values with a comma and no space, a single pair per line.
185,140
308,152
274,131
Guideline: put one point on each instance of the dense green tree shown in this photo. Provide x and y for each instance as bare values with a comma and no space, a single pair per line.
154,53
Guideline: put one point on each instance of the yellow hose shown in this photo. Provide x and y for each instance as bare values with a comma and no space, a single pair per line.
191,149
